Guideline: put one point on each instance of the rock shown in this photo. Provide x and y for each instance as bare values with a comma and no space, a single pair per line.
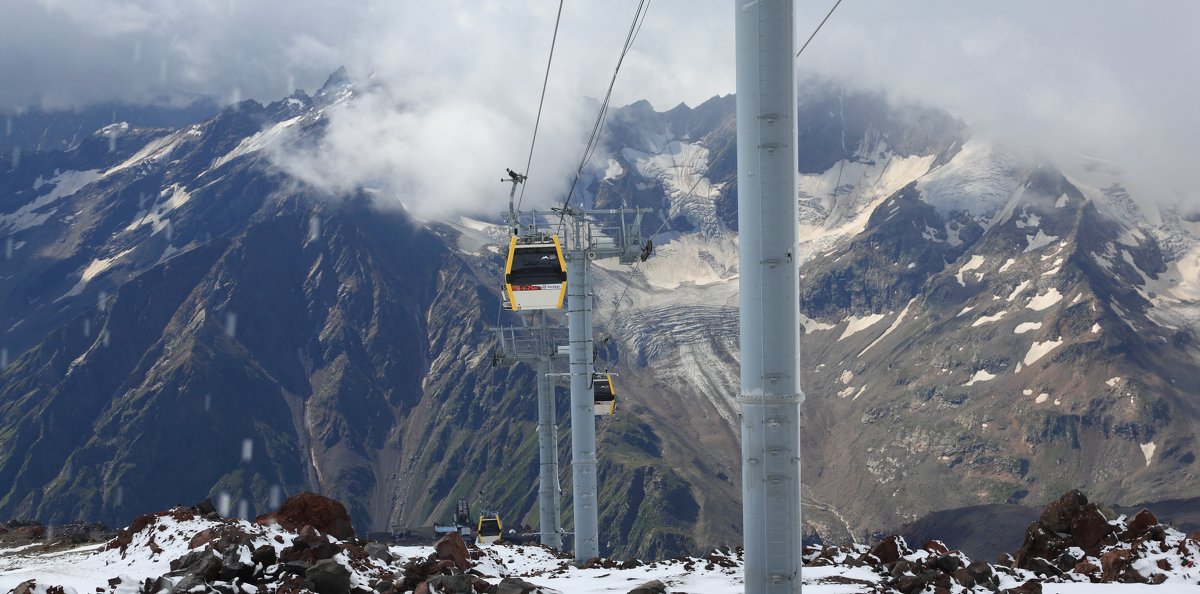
310,509
963,577
936,546
188,583
327,576
26,587
422,588
1056,517
264,555
512,585
1087,568
948,563
378,550
1088,527
452,548
651,587
450,584
1030,587
1113,564
981,572
204,564
889,549
232,566
201,538
205,507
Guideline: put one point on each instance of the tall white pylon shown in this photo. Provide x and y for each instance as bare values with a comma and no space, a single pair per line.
770,335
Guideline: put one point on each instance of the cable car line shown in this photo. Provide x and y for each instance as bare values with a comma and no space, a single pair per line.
639,17
814,33
541,101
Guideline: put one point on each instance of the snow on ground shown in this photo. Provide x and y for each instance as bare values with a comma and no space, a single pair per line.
1040,349
255,142
155,151
973,264
988,319
93,270
1039,241
171,198
895,324
1026,327
681,167
1045,300
1016,292
64,184
855,324
980,376
1148,451
979,179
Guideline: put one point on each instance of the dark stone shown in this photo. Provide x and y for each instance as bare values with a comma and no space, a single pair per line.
26,587
1039,543
205,507
264,555
310,509
378,550
1140,522
948,563
451,584
890,549
327,576
1056,517
981,572
232,566
1088,527
512,585
203,564
1043,567
188,583
651,587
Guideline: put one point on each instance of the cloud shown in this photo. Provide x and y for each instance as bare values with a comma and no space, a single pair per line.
1113,79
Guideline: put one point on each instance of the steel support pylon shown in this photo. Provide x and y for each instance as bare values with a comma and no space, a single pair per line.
549,530
770,335
583,419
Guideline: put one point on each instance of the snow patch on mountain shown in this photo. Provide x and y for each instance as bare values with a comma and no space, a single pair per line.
681,168
974,264
94,269
64,184
1045,300
979,180
856,324
171,198
1039,349
255,142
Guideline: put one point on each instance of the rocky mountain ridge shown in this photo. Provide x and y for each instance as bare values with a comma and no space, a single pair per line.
977,327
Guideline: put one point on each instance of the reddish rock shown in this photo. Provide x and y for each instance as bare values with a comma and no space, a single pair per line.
452,548
1087,568
310,509
1088,527
1138,525
889,549
936,546
422,588
201,538
1056,517
1113,564
1030,587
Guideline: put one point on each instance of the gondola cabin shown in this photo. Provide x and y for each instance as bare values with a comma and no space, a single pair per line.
490,529
535,276
605,398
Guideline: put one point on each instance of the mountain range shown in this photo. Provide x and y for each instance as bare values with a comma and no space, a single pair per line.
181,318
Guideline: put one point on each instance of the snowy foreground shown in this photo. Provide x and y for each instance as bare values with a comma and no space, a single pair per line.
182,551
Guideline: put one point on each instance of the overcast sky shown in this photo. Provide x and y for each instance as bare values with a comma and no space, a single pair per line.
1118,79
